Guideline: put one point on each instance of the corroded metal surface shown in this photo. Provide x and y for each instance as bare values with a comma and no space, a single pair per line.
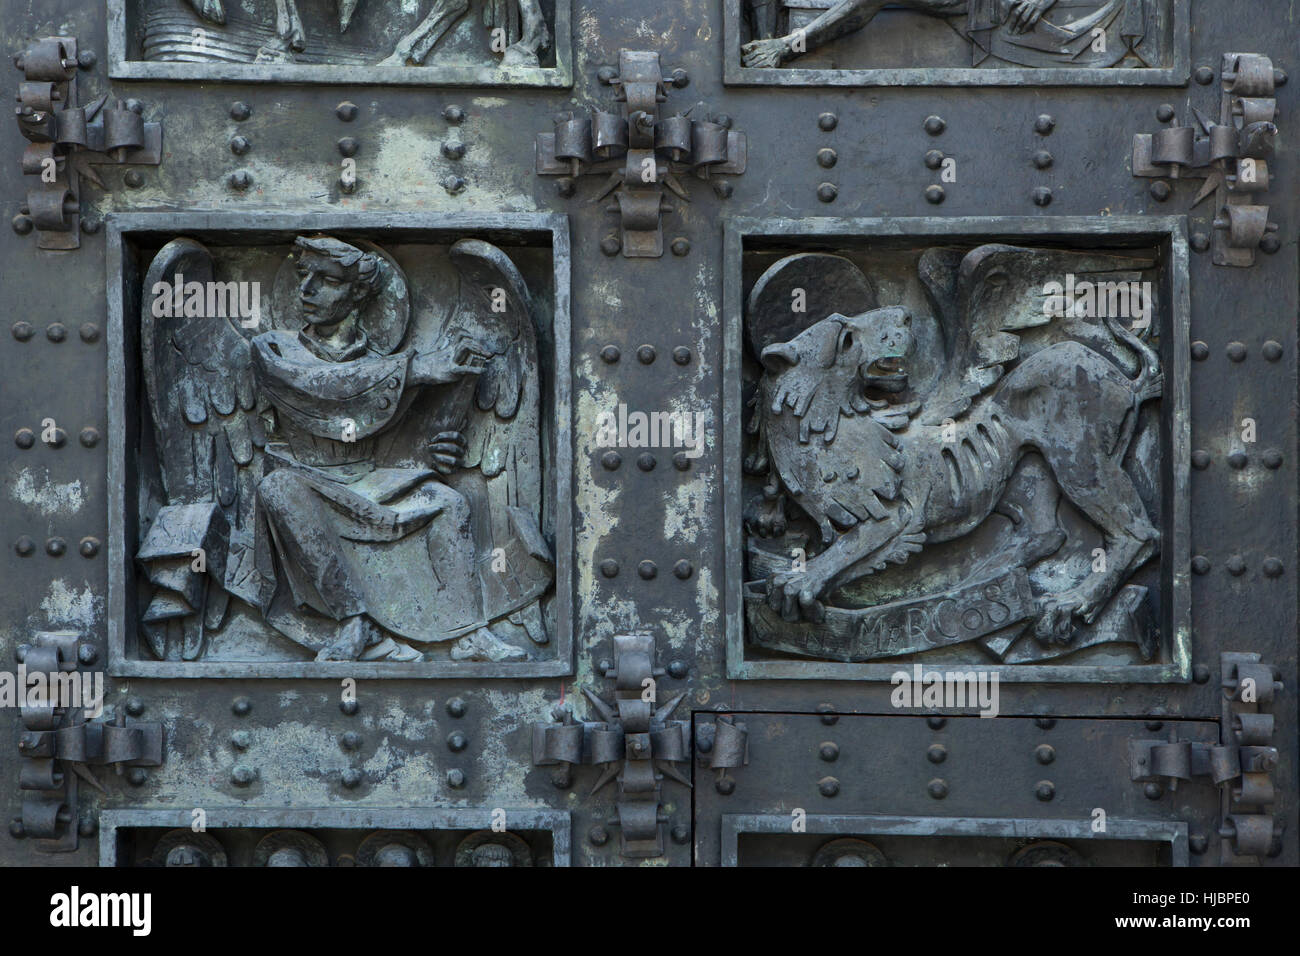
782,556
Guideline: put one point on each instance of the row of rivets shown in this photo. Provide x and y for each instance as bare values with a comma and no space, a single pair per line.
647,569
56,332
1236,566
25,438
1236,351
56,547
645,354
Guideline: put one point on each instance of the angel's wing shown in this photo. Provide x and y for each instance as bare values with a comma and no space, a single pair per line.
984,298
495,325
201,392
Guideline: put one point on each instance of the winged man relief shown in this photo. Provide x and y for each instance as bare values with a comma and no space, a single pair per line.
363,477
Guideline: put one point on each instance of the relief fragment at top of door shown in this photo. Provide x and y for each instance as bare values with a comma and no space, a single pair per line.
957,42
516,43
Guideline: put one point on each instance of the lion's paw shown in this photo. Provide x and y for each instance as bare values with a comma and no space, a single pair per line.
796,595
1056,613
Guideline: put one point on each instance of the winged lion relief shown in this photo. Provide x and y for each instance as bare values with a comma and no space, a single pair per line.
355,475
974,474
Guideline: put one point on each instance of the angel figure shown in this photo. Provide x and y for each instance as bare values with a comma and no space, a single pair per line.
366,482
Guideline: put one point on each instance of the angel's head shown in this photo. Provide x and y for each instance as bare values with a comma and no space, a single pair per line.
335,280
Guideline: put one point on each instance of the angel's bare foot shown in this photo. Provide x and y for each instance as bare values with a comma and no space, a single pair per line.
391,650
399,57
483,645
524,53
767,53
349,644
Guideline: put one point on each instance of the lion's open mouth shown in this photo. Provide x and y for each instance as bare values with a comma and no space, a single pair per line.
886,374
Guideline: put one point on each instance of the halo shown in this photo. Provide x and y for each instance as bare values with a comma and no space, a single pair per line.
203,842
384,320
829,284
310,847
517,847
860,851
368,851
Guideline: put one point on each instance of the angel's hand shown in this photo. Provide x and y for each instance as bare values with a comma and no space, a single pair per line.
448,452
439,368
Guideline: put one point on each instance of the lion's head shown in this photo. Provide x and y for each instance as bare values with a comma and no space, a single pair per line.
855,351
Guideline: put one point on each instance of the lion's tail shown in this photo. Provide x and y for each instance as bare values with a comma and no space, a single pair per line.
1150,380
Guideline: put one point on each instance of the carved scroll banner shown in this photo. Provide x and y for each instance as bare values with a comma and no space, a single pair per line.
971,612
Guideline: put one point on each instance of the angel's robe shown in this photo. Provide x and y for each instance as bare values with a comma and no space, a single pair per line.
350,538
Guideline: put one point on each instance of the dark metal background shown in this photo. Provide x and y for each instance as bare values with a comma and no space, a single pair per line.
664,514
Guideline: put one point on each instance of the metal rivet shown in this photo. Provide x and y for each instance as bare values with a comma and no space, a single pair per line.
1044,124
609,568
455,778
56,331
1200,564
725,786
723,189
89,332
645,354
457,741
239,145
1272,568
58,438
937,788
86,59
610,354
22,224
241,707
1153,791
1236,351
16,828
934,194
55,547
1045,790
1272,458
681,834
829,717
23,331
1272,350
682,355
240,179
348,146
826,157
88,547
610,245
1200,242
456,707
240,111
24,438
1042,196
934,125
678,669
1045,723
87,826
937,753
566,186
936,723
1236,565
681,461
133,179
1043,159
89,437
647,569
25,546
827,122
453,114
680,78
1200,459
828,751
597,835
1197,844
87,653
1200,351
1164,112
241,740
349,707
350,740
1237,460
346,111
1204,75
1201,674
1044,753
455,185
1160,190
680,246
562,778
828,786
646,461
134,706
827,192
1279,77
350,777
683,569
453,150
136,776
933,158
